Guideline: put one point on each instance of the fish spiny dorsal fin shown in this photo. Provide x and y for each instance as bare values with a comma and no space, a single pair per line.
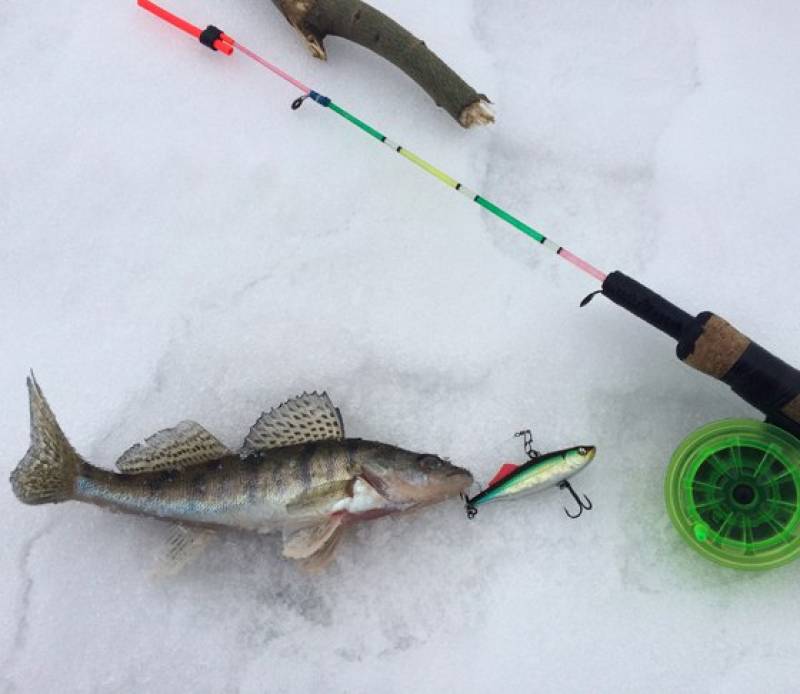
502,473
309,417
182,446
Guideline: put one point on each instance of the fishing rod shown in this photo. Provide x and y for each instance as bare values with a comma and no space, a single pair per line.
705,342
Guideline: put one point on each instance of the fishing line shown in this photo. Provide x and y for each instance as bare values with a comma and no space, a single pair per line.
217,40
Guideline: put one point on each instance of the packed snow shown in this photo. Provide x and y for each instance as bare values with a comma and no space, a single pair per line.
178,244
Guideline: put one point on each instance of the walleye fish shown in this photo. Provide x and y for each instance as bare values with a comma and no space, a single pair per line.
296,472
542,471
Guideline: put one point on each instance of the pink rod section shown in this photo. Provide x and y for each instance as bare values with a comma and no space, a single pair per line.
583,265
273,68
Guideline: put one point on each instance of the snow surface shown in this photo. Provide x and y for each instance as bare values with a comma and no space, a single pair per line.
177,243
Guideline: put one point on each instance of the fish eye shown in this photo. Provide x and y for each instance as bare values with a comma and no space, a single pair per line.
582,451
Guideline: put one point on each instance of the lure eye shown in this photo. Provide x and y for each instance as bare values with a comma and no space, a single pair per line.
582,451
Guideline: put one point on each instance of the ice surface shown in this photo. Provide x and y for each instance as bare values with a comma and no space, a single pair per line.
177,243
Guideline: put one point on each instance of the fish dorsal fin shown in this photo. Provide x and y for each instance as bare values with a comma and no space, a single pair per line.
309,417
502,473
182,446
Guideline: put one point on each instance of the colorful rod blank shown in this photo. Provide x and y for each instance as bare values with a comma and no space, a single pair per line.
414,158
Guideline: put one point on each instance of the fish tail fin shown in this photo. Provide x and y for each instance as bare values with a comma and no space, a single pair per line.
47,473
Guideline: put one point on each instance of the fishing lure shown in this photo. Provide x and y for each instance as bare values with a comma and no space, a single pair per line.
542,471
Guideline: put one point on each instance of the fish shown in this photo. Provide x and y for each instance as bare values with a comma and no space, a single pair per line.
541,472
296,473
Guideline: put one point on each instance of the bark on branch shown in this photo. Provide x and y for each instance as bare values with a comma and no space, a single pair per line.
361,23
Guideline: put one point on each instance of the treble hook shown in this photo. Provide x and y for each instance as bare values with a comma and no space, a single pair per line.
583,507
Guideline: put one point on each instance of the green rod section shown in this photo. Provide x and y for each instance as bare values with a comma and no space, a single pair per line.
357,122
513,221
451,182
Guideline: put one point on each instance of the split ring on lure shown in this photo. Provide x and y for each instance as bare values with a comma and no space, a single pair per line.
542,471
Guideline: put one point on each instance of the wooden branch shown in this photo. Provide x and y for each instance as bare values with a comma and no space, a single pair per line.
361,23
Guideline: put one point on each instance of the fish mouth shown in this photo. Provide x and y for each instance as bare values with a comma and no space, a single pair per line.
463,481
460,472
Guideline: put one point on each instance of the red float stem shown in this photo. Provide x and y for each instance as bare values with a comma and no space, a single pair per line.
224,44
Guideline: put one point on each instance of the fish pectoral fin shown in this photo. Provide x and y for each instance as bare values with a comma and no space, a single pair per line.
183,546
178,448
322,558
307,418
307,542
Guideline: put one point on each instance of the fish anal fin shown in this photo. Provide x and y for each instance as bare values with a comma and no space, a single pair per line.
307,542
178,448
505,470
183,545
306,418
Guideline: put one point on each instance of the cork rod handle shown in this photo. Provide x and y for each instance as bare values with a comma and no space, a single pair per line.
713,346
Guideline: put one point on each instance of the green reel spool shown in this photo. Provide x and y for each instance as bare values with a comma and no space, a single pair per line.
733,493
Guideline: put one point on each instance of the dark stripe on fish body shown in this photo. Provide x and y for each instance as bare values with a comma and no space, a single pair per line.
251,477
158,481
277,478
200,484
329,467
316,467
304,464
351,447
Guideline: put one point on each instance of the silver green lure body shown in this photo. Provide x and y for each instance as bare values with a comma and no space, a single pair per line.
540,472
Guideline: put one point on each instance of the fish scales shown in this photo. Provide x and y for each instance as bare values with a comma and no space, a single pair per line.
253,492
